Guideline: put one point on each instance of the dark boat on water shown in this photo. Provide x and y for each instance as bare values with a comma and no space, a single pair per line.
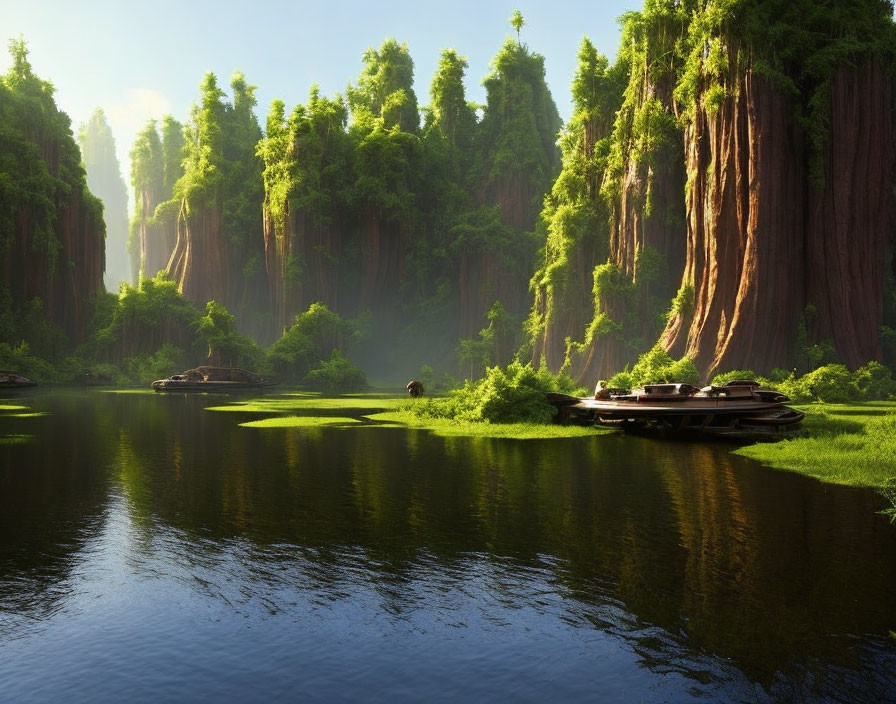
213,379
11,380
737,409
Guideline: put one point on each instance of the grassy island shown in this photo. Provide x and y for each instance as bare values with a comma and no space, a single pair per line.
842,443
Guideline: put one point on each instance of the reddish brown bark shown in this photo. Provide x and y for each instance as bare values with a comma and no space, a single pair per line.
201,260
851,216
762,244
77,273
658,180
319,248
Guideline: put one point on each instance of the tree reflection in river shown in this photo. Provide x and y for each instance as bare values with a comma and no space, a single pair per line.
700,559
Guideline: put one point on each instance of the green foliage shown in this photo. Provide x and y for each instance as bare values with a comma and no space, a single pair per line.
875,382
18,358
831,383
517,22
657,367
145,368
384,96
844,444
834,383
520,125
722,379
514,394
32,188
226,347
889,493
145,318
338,375
495,342
683,303
312,338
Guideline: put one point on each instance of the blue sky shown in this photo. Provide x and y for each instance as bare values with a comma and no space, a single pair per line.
142,60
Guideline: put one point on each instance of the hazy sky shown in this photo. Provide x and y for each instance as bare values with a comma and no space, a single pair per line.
138,60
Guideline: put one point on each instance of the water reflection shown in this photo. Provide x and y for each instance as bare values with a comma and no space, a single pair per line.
706,565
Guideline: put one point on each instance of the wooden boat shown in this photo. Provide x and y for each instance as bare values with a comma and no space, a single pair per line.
11,380
738,409
213,379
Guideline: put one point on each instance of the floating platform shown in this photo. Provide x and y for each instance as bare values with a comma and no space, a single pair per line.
213,380
740,409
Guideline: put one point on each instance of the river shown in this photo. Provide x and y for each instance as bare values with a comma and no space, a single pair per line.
151,550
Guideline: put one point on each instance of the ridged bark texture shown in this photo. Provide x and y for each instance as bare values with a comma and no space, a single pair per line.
851,217
318,249
201,261
764,241
77,275
384,250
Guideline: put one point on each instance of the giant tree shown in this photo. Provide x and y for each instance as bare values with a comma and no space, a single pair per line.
307,176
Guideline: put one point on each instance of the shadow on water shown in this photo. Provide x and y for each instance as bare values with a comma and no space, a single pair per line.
706,564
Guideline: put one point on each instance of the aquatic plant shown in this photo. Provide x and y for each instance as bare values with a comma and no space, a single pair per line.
889,492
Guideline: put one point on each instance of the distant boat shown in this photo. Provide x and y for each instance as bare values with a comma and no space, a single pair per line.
215,379
737,409
11,380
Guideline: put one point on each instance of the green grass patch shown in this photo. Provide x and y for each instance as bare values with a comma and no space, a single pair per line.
516,431
34,414
15,439
297,403
853,444
5,407
300,422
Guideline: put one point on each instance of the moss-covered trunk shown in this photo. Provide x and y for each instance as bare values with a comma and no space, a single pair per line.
766,244
201,260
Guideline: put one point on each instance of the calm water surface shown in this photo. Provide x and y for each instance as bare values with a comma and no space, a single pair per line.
154,551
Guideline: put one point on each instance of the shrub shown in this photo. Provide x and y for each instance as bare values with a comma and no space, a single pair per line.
832,383
514,394
722,379
875,382
312,338
146,368
656,366
338,375
622,380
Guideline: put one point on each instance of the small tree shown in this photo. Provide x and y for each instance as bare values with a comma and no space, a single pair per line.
517,22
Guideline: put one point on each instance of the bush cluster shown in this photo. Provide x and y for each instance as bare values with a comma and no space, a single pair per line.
657,367
516,393
832,383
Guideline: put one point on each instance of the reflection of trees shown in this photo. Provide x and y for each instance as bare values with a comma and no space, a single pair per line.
753,566
777,565
53,495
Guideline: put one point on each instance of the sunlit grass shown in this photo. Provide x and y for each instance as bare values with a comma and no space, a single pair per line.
297,403
851,444
31,414
300,422
516,431
7,407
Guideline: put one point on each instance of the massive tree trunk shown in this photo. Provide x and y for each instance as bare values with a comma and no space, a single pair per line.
384,250
850,218
646,246
65,280
201,260
302,265
764,242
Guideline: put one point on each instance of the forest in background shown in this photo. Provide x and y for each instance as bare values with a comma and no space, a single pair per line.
722,195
